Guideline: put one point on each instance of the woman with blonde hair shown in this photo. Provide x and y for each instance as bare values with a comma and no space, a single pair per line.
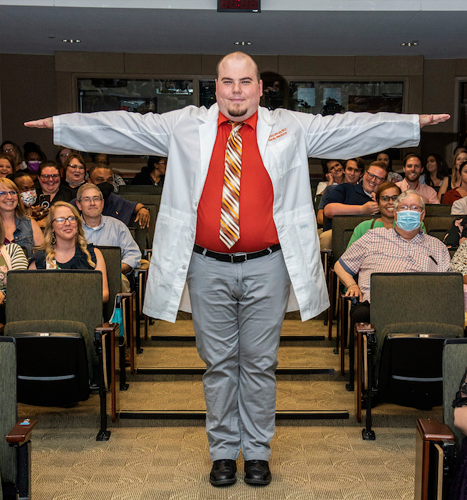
65,246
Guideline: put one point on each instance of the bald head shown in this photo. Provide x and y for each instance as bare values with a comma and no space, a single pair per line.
238,86
238,55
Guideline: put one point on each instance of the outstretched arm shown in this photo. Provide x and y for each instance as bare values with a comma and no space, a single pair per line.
433,119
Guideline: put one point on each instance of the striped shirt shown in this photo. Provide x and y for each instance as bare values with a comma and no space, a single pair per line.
385,251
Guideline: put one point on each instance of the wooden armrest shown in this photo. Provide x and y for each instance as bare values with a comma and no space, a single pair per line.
433,430
106,328
126,295
21,432
364,328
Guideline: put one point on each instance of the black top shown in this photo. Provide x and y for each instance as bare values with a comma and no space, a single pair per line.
78,261
144,178
64,193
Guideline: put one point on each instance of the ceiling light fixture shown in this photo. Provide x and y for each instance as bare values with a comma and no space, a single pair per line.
409,44
71,40
242,43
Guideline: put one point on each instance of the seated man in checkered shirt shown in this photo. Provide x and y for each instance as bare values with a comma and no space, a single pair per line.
403,248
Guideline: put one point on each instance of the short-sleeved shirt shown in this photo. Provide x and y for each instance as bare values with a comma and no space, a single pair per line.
347,194
385,251
78,261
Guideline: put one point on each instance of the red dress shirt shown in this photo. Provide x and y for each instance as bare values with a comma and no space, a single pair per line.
257,228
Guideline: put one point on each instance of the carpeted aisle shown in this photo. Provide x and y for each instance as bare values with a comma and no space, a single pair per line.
169,460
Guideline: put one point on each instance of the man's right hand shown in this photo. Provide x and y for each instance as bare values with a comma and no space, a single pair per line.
43,123
370,208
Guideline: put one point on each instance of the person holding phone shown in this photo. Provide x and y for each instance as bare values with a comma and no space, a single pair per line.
50,190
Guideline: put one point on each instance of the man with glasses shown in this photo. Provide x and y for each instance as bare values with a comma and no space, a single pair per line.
405,248
413,169
102,230
353,199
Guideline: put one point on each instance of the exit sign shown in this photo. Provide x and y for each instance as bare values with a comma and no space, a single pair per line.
238,5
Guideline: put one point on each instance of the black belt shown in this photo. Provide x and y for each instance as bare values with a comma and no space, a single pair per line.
235,258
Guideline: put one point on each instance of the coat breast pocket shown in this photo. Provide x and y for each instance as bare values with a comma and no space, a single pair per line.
284,150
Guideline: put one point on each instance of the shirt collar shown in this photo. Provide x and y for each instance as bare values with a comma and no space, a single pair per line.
96,227
252,121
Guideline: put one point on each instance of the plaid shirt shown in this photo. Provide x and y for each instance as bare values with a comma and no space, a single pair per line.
385,251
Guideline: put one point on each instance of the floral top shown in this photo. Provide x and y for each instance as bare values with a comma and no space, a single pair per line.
461,395
459,260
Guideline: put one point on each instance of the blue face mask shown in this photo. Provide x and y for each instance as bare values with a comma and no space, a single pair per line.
408,220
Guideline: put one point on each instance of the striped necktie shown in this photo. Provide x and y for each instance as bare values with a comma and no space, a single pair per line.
230,220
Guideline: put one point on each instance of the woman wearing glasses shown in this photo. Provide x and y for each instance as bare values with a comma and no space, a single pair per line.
19,227
65,246
75,172
50,190
385,196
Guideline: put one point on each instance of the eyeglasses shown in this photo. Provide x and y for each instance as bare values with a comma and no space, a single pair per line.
50,176
374,177
9,150
4,194
64,155
88,199
389,198
61,220
400,208
74,167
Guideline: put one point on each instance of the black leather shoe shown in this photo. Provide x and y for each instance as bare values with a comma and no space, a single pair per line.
257,472
223,472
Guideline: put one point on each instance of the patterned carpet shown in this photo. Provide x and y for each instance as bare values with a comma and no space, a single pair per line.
169,460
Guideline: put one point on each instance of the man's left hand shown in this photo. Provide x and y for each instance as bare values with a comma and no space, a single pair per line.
143,217
432,119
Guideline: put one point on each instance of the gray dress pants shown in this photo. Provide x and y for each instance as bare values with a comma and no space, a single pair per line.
238,310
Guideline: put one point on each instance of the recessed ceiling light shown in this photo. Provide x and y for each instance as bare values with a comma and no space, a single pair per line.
71,40
242,43
409,44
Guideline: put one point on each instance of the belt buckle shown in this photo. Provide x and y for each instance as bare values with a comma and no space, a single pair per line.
235,258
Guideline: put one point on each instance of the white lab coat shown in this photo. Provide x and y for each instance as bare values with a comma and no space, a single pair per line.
285,140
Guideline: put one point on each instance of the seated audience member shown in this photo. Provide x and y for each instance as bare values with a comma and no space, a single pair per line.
153,174
453,181
387,160
62,156
333,174
17,225
74,172
385,196
457,233
435,172
458,489
413,168
7,165
353,199
402,249
50,190
103,159
65,246
459,192
116,206
34,156
353,171
12,149
102,230
459,265
11,257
